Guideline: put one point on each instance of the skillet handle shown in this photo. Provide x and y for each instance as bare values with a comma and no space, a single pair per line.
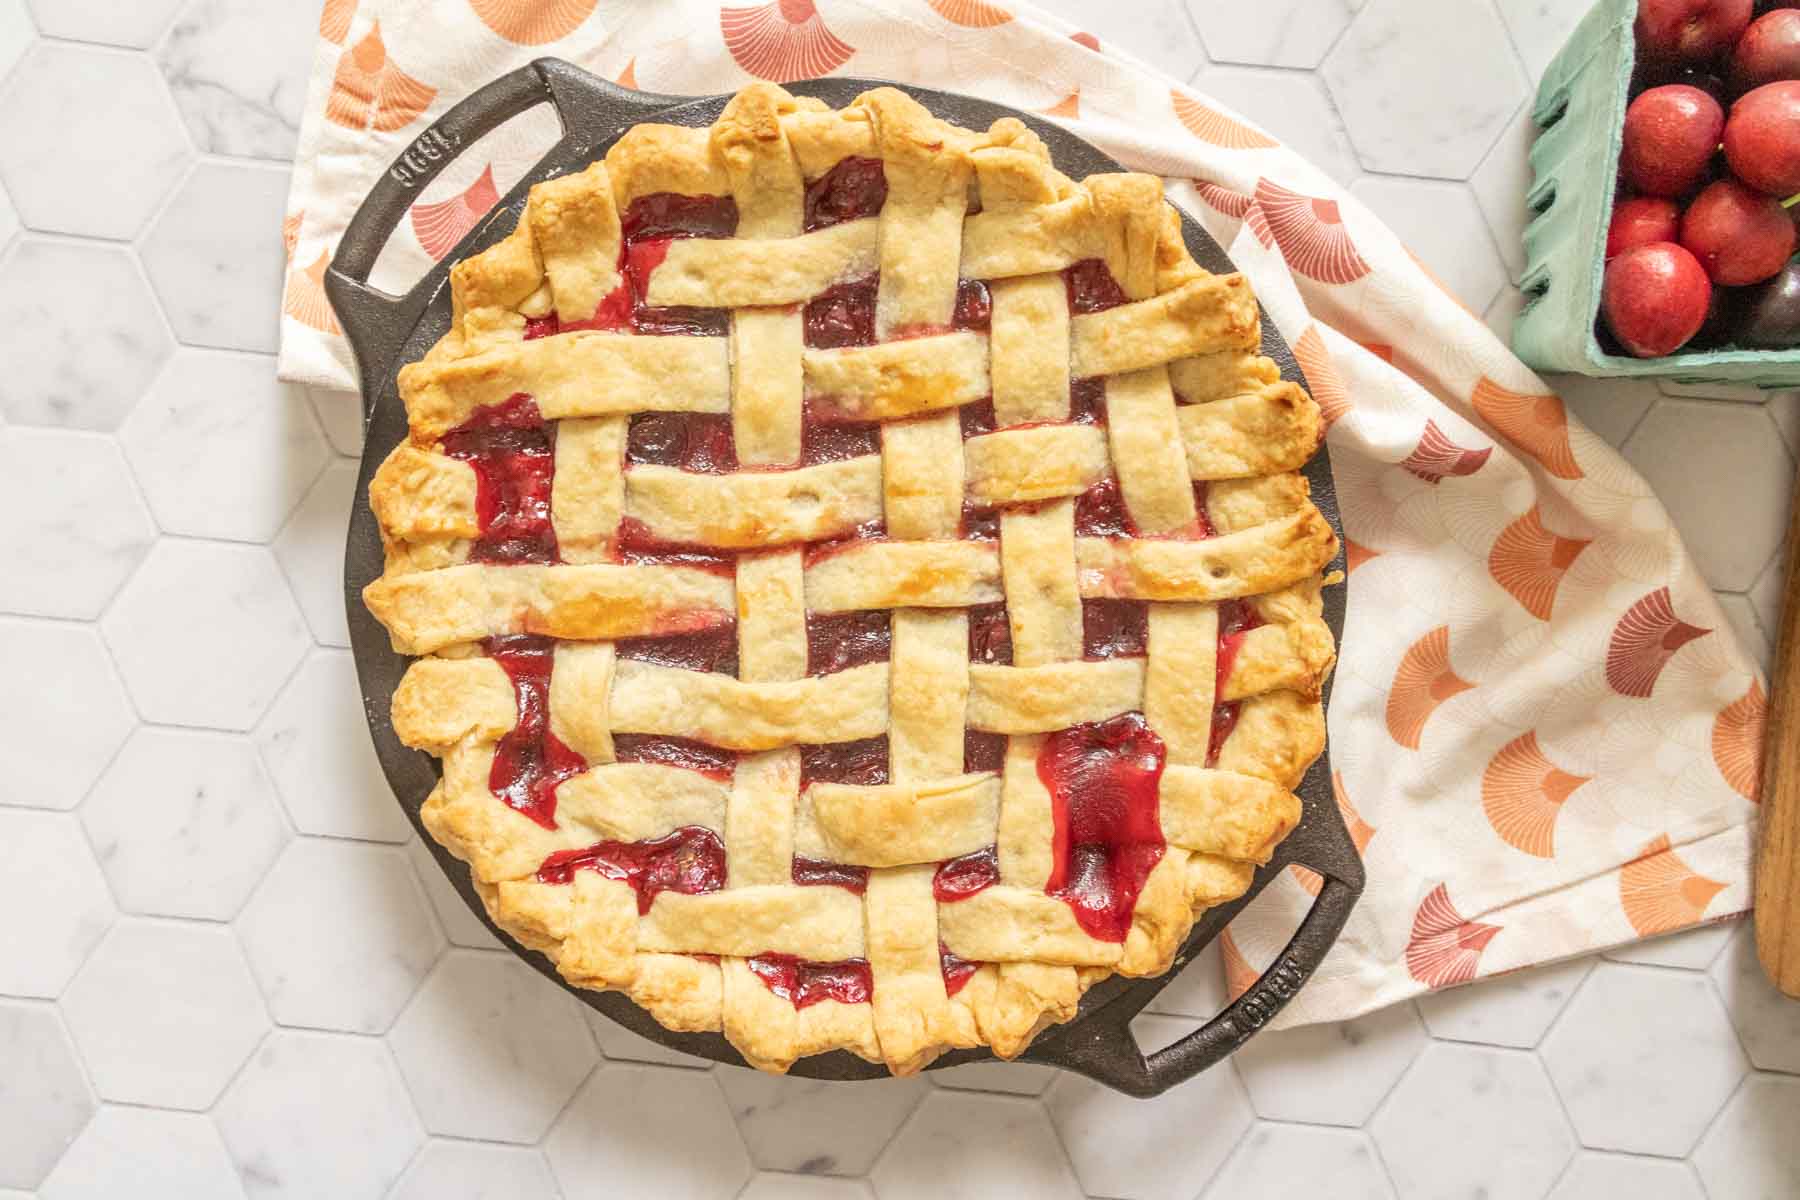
1102,1046
378,324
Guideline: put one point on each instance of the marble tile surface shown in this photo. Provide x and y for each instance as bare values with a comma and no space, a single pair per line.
61,732
205,634
1123,1147
332,912
47,870
74,166
638,1131
1643,1059
71,362
208,414
491,1049
1370,1055
320,756
184,823
814,1126
67,560
1473,1120
1425,86
164,1013
44,1099
477,1171
127,1151
238,70
216,251
319,1114
191,804
310,549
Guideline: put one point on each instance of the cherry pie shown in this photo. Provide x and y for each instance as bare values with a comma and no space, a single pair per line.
860,585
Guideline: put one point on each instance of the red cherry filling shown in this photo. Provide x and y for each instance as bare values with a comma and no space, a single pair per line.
1236,618
843,315
648,226
529,760
854,188
512,450
806,983
839,641
710,761
714,650
957,971
1092,287
977,418
691,861
816,872
697,442
835,441
990,635
637,544
1114,628
959,878
1103,780
980,524
862,762
1087,400
983,751
673,215
974,307
1100,512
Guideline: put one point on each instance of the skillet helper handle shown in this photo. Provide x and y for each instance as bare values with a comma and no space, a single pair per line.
1102,1047
1778,864
377,323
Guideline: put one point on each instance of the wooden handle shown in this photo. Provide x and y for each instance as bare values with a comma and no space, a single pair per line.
1778,866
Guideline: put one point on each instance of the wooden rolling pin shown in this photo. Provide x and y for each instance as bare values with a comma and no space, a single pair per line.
1778,865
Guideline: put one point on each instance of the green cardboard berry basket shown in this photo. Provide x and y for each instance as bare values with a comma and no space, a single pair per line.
1580,115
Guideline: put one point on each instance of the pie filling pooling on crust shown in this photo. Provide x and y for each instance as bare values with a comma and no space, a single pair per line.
860,586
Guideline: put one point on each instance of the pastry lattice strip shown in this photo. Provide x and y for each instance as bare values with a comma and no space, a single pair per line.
1188,401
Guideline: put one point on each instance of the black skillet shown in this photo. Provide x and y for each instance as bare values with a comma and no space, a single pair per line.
386,331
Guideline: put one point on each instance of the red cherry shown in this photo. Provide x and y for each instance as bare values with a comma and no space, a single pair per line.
1655,298
1640,221
1740,236
1669,138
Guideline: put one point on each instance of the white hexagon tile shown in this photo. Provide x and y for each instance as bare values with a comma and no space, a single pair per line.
191,809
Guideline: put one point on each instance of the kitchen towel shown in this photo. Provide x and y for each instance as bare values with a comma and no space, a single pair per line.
1545,737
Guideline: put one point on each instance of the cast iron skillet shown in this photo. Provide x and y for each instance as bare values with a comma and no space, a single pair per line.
387,331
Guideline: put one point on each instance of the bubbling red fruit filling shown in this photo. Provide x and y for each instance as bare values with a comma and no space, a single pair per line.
712,650
983,751
697,442
959,878
1092,287
806,983
843,315
690,860
838,641
666,751
816,872
1100,512
1236,618
512,450
1103,779
990,635
1114,628
957,970
530,761
853,189
863,763
647,227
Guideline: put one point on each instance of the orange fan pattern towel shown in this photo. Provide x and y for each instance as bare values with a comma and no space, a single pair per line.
1544,738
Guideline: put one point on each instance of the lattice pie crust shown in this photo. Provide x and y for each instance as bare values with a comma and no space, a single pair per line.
861,587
